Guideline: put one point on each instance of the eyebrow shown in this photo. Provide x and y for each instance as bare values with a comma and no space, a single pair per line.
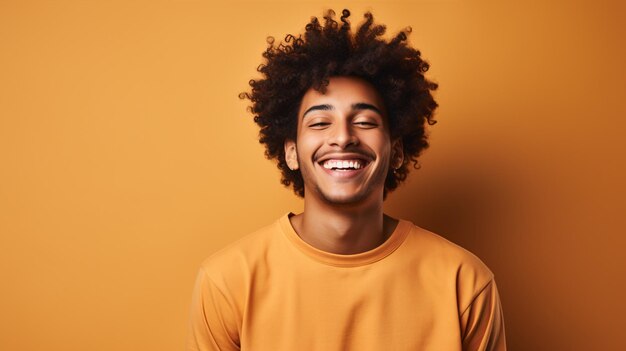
357,106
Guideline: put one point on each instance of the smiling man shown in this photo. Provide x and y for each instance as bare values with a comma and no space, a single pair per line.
344,116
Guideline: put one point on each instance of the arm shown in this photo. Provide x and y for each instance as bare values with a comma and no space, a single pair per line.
213,324
482,324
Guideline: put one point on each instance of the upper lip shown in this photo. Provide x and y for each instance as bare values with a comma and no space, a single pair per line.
344,156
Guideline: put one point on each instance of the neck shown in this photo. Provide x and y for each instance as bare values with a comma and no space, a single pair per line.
343,229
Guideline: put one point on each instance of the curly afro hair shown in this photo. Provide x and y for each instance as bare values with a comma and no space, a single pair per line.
331,49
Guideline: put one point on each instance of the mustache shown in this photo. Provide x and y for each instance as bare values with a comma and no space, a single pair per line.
353,151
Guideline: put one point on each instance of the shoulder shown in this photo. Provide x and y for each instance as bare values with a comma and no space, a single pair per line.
450,261
435,245
241,252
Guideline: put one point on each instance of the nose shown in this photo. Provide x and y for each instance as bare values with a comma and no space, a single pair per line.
342,135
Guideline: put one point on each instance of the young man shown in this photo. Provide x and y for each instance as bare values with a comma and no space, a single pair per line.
344,114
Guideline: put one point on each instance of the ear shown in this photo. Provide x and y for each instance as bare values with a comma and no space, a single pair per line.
291,155
397,154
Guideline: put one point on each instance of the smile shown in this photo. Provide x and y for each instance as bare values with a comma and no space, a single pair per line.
343,165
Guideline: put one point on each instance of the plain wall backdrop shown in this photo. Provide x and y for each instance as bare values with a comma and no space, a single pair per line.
126,158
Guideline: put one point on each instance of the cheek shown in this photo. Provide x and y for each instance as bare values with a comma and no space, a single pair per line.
381,145
306,146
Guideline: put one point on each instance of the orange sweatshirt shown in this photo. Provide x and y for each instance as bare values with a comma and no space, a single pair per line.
417,291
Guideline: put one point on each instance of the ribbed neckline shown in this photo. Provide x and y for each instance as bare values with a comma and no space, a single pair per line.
364,258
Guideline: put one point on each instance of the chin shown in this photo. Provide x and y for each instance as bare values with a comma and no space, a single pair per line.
344,197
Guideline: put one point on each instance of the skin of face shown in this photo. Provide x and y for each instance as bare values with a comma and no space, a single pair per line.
346,123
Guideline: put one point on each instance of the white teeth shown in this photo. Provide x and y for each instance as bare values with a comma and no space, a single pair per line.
342,165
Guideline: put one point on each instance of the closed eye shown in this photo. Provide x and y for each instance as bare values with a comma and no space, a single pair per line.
319,125
366,124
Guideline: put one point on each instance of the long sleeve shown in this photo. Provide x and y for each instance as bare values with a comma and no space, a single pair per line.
482,323
213,325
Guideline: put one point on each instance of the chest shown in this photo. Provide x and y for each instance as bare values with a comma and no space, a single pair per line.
360,308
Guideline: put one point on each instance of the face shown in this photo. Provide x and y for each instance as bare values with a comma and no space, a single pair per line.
343,148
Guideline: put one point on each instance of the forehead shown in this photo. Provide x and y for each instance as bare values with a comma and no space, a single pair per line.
342,93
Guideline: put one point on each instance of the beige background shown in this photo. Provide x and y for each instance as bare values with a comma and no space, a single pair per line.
126,158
